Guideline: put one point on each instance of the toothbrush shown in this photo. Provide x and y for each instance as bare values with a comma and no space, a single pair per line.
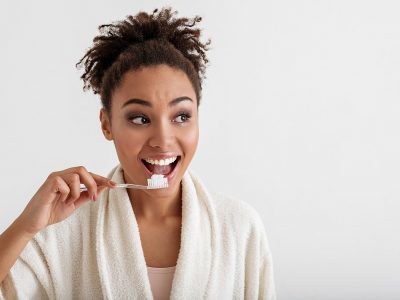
157,181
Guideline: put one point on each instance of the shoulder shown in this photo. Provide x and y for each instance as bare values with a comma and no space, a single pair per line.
240,224
238,213
231,205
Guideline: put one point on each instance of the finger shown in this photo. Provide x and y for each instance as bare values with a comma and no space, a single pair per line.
73,181
78,203
60,187
92,180
103,181
84,177
100,180
88,180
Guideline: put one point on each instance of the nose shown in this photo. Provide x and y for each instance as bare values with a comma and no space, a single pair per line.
161,135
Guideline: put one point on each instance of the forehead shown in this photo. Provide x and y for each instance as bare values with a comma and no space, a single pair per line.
157,84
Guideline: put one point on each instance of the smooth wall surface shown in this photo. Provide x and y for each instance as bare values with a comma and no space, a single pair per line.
300,118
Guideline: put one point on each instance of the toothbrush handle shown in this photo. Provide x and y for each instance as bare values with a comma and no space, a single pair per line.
132,186
123,185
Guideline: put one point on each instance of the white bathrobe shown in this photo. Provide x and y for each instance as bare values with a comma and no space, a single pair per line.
96,253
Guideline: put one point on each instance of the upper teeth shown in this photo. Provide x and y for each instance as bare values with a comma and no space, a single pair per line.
162,162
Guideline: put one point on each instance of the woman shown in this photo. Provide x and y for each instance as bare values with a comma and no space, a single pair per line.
179,242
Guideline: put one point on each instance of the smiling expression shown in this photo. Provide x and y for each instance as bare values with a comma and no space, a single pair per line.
154,117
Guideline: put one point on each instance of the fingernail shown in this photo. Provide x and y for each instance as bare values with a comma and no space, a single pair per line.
112,183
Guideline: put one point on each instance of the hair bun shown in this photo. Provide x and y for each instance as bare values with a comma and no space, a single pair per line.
117,37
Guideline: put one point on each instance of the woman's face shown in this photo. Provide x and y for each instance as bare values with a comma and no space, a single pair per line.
154,117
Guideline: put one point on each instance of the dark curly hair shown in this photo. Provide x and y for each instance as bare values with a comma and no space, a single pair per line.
144,40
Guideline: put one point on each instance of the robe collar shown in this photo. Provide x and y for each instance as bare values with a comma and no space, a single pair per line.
119,253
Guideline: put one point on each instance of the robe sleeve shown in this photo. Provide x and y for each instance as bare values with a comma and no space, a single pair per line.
29,277
267,283
264,265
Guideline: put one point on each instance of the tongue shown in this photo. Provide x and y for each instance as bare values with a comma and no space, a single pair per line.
156,169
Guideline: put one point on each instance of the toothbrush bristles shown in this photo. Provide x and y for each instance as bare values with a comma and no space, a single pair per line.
157,181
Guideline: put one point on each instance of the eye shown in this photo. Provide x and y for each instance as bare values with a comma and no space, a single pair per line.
139,120
184,117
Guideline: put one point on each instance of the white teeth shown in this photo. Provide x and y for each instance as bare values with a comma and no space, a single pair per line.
162,162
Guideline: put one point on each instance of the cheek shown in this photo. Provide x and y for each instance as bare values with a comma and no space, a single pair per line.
190,141
127,142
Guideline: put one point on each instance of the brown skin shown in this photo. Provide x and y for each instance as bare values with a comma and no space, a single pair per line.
163,131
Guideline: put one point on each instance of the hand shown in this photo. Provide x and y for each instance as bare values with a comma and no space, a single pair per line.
60,196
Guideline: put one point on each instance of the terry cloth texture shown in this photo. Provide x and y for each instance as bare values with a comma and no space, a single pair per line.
96,253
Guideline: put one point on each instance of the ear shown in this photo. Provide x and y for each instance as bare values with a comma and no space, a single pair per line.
105,125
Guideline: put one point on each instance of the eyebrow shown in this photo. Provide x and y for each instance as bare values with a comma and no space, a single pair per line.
147,103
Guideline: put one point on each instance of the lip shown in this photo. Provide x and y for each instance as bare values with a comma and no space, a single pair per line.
169,176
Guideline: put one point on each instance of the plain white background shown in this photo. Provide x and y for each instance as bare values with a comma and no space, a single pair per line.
300,118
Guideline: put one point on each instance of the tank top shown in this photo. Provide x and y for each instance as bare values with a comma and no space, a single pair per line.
161,281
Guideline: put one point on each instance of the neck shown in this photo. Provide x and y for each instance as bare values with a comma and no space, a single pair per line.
149,204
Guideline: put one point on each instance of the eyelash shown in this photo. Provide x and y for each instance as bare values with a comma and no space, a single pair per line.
187,115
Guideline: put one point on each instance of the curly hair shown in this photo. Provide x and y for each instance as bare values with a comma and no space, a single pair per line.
144,40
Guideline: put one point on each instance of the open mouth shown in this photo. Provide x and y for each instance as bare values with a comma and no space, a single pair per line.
161,169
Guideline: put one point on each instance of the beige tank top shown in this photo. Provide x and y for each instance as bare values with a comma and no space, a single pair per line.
161,281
